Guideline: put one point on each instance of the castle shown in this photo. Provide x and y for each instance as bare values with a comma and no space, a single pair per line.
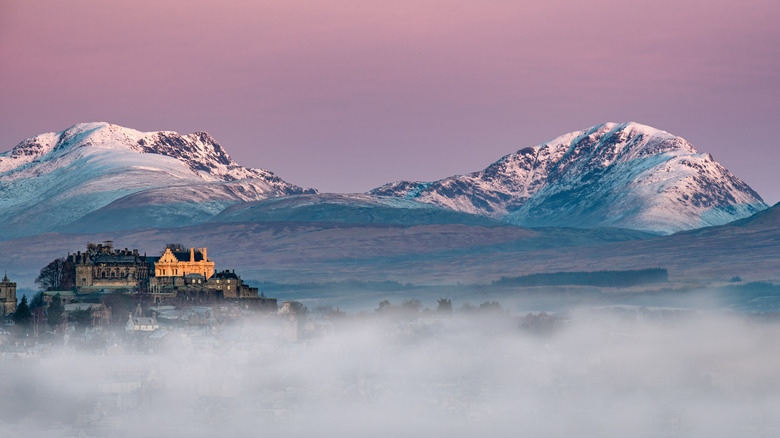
101,267
180,274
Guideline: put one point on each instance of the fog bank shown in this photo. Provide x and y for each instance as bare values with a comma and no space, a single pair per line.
614,371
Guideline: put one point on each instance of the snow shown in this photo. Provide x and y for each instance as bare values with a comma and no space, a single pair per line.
53,179
615,174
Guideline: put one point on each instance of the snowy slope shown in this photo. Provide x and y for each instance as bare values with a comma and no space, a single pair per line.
619,175
52,180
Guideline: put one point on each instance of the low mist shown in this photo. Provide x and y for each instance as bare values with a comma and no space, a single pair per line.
593,372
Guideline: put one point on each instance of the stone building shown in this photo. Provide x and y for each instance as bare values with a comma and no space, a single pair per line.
102,267
7,296
184,276
231,285
180,263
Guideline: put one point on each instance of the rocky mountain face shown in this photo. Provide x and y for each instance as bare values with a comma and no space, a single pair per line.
612,175
95,174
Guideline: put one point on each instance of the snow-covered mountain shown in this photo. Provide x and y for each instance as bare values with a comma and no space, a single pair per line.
97,177
96,174
612,175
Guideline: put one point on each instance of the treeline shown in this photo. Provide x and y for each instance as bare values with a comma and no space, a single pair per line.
595,278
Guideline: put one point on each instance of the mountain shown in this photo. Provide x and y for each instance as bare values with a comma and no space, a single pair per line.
612,175
102,177
348,208
98,177
767,219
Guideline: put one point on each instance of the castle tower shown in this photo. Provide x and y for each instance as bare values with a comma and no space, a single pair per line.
7,296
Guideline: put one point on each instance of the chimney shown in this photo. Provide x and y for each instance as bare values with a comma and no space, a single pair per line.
203,251
192,254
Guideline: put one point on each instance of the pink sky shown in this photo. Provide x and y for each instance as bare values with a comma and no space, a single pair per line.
345,95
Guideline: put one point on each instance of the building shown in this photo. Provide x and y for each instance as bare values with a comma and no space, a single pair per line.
231,285
99,314
139,323
7,296
101,267
179,275
180,263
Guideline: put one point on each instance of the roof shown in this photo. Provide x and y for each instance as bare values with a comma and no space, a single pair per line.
128,259
62,293
79,306
194,275
184,255
225,274
104,289
144,320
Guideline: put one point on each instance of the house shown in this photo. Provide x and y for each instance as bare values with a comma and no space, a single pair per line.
139,323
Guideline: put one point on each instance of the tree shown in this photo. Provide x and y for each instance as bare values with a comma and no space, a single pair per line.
411,306
491,306
384,305
445,306
51,276
55,312
38,308
298,309
37,301
23,316
121,305
81,317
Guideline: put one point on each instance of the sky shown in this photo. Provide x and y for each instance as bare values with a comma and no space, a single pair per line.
346,95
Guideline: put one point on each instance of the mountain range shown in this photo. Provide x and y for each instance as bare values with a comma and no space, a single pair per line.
101,177
601,198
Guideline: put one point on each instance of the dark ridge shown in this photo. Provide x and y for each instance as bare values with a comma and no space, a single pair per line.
596,278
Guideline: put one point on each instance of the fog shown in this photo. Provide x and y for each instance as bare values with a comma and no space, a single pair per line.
607,371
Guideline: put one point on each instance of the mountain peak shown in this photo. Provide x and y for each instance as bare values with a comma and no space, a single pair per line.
53,179
625,175
199,151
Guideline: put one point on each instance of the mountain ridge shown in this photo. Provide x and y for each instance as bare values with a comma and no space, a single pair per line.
103,177
52,180
624,175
